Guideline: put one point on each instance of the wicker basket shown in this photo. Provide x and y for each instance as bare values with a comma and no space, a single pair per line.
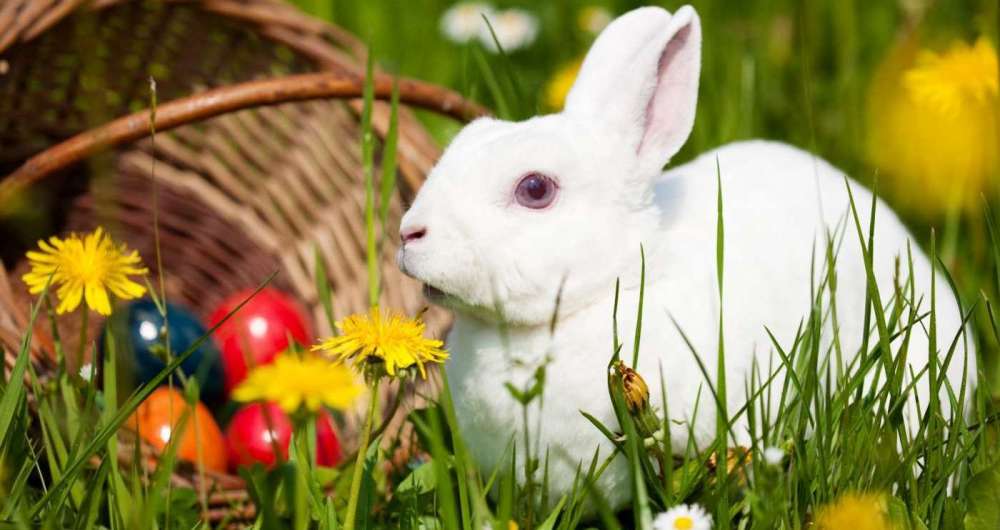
257,155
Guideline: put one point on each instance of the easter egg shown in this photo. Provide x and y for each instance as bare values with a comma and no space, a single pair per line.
259,331
141,333
258,430
158,417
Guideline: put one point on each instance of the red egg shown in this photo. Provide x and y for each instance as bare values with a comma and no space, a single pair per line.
158,416
258,331
249,440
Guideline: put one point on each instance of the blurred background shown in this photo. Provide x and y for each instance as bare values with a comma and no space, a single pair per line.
825,75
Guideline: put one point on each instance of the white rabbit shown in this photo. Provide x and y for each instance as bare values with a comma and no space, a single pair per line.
514,212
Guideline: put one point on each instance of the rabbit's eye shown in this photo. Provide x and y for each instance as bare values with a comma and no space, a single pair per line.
535,190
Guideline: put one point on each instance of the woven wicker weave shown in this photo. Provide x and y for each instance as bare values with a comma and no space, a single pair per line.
243,189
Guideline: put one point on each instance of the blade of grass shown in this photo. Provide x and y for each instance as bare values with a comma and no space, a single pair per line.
439,458
388,180
513,85
463,466
368,165
323,288
722,426
873,292
638,320
92,500
109,373
492,84
14,388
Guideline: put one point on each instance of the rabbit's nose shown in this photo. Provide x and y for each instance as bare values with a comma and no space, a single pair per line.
413,233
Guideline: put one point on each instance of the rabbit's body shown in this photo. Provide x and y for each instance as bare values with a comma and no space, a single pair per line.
516,215
769,253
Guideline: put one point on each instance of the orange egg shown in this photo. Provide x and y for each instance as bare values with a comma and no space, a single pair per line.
158,416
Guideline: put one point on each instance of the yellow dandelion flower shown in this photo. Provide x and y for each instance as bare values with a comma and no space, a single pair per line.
396,340
293,381
945,82
85,269
558,87
857,511
933,126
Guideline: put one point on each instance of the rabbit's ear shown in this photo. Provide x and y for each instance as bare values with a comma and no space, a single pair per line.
640,81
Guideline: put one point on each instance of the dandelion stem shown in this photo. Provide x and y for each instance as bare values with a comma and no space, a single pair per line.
82,348
359,463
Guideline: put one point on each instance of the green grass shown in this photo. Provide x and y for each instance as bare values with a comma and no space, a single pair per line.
63,466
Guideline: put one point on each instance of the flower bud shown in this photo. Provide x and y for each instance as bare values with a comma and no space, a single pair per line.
636,395
737,459
636,391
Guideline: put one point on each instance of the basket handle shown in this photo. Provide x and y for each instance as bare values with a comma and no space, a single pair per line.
227,99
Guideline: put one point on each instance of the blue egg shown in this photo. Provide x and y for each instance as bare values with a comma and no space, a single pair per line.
139,328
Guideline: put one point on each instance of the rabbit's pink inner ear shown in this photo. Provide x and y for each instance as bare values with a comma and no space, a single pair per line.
670,111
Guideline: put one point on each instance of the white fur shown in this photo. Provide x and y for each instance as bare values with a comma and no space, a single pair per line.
630,111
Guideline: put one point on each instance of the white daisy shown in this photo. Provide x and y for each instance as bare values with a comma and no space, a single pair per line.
87,372
774,455
593,19
683,517
515,29
463,22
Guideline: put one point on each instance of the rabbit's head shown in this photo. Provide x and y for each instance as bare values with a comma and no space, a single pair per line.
516,214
